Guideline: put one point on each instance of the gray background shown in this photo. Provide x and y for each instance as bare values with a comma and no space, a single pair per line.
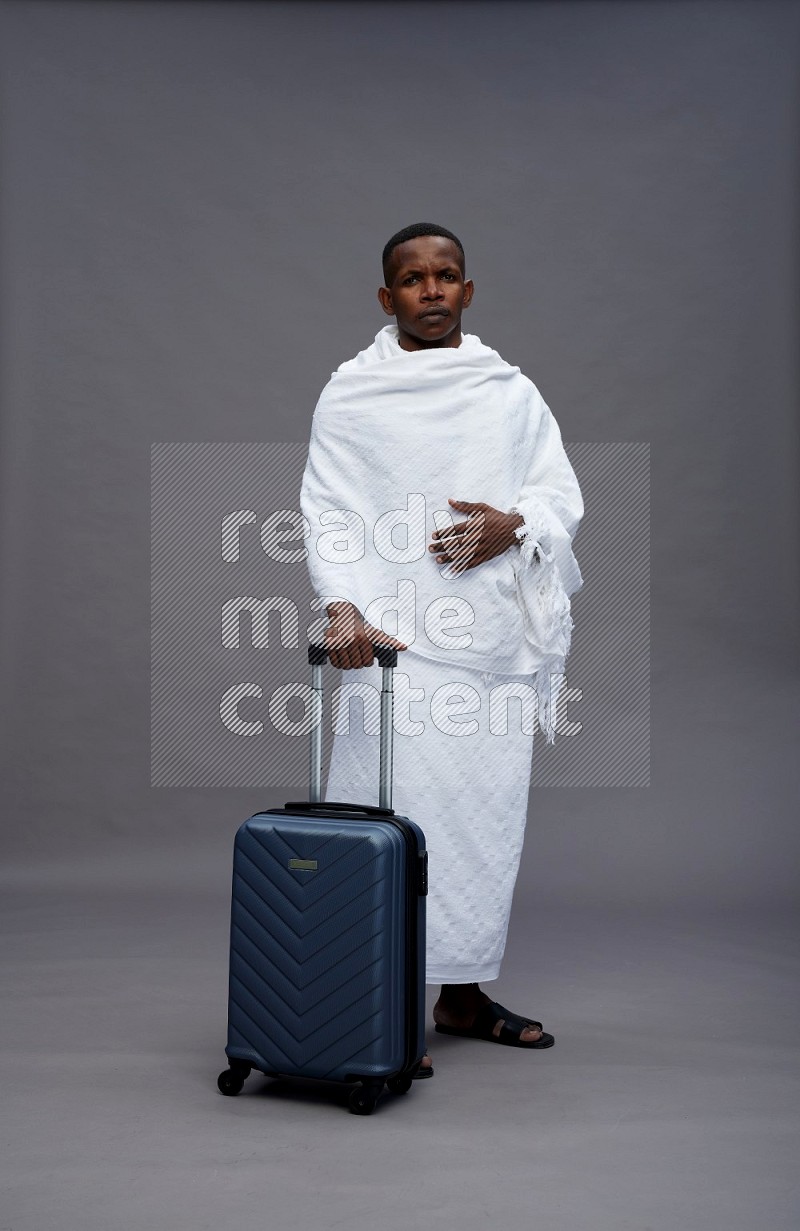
195,198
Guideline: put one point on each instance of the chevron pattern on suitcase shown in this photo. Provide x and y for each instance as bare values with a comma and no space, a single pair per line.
313,989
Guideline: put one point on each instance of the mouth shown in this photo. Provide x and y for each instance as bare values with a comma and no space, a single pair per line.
434,312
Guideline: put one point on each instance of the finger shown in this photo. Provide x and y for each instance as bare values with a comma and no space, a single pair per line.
353,652
475,529
367,653
340,633
456,528
337,649
450,539
453,551
387,639
451,532
468,546
442,548
461,537
475,540
340,653
342,657
462,527
378,637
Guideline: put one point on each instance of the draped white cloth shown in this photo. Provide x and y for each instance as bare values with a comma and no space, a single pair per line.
468,791
395,433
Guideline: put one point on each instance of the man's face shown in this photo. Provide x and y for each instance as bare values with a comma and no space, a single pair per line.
426,292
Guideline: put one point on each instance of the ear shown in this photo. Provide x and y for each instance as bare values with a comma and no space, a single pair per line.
385,297
469,291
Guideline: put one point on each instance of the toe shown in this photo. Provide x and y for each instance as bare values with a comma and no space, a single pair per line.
528,1034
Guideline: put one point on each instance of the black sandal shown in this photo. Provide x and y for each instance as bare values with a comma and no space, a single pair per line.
423,1072
485,1022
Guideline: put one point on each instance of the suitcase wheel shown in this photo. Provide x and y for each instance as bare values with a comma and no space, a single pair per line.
364,1100
399,1085
231,1081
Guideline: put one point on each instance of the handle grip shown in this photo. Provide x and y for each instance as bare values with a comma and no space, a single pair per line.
385,654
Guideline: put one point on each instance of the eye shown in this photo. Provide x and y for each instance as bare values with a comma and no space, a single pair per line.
411,278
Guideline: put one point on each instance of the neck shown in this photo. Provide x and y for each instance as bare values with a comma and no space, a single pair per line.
406,341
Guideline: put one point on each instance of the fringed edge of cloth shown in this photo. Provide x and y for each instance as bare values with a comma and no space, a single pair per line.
547,611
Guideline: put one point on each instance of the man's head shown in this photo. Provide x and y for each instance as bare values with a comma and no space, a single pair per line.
425,288
418,230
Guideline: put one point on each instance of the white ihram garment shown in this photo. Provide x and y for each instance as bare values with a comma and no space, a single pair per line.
395,433
469,794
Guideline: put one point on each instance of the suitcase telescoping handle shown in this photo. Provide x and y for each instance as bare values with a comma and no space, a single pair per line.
387,657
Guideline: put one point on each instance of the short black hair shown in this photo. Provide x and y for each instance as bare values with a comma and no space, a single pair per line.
416,231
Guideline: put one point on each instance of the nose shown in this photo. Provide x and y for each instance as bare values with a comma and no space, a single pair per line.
431,289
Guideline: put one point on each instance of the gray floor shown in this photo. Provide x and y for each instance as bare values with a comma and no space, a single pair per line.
669,1101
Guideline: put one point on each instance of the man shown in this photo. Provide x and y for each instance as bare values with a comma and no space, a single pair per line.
424,417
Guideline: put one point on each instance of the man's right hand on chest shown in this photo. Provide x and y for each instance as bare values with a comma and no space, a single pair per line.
349,639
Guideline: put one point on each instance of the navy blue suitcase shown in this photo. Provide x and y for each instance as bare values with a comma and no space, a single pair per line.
327,964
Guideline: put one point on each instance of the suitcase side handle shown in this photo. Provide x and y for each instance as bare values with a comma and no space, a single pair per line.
387,657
